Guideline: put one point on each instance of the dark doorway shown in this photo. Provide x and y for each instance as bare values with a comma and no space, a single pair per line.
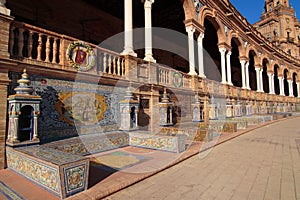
26,123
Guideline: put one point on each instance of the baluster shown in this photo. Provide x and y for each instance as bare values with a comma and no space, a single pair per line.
118,67
39,48
104,62
115,66
109,64
61,53
30,34
20,42
12,39
47,50
123,68
54,50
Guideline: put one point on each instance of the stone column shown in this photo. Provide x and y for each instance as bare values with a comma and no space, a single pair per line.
148,31
223,51
281,85
298,89
270,84
200,55
291,88
273,84
247,76
258,80
229,82
128,32
3,9
243,62
190,30
261,80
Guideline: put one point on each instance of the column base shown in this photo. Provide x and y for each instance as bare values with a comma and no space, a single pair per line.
149,58
129,53
230,84
202,75
192,73
224,82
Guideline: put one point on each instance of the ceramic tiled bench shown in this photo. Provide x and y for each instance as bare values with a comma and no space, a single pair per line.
158,141
58,172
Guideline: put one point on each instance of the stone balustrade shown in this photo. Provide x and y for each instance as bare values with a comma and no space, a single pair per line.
32,44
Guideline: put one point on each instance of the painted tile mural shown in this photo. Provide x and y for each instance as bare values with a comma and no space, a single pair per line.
58,114
36,171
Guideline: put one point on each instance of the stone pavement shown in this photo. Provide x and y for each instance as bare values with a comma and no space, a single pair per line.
262,164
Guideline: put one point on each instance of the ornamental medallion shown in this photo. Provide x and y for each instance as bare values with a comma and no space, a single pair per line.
81,56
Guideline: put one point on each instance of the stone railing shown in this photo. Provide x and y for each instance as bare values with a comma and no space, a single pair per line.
32,44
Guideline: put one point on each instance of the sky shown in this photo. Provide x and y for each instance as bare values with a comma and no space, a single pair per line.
252,9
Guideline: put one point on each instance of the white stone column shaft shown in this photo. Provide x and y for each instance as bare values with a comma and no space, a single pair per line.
148,31
229,81
128,32
247,76
281,88
270,83
190,30
291,93
243,62
223,69
272,91
298,88
258,80
200,55
261,80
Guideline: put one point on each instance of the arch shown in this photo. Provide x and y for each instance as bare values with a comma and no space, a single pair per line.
252,56
253,49
276,70
234,35
294,79
211,15
283,69
285,81
266,68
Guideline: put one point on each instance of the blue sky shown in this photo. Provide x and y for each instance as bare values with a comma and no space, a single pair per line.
252,9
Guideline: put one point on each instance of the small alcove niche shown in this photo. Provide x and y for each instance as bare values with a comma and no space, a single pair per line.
165,110
229,109
129,112
213,109
24,109
198,109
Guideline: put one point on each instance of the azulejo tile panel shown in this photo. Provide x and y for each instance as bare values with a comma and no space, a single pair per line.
36,171
75,179
89,144
160,142
51,124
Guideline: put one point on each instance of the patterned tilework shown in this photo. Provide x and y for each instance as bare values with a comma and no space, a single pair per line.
192,132
50,155
9,193
47,176
160,142
75,179
51,126
90,144
59,172
241,124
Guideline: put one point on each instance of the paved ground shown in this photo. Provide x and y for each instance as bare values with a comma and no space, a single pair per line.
262,164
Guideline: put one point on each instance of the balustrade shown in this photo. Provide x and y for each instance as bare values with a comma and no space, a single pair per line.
28,42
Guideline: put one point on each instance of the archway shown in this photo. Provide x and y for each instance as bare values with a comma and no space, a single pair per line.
265,76
235,63
285,82
26,123
252,72
295,91
276,80
210,44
